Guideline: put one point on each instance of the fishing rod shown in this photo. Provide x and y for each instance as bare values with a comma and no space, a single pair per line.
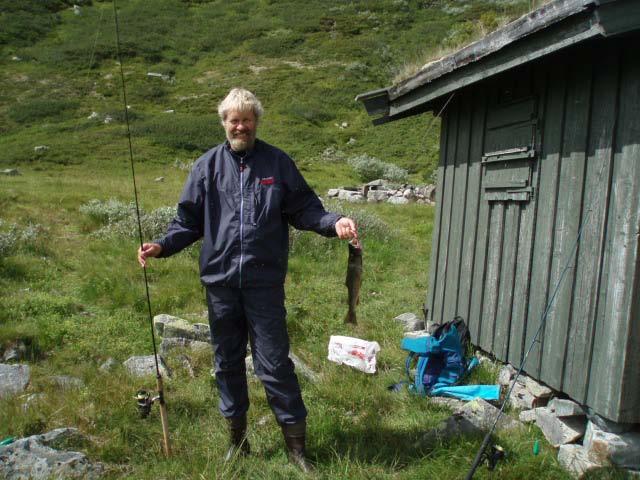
480,456
143,398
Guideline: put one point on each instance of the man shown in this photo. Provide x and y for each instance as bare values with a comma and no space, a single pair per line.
240,197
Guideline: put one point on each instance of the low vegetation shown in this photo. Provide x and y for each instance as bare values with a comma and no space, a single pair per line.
72,293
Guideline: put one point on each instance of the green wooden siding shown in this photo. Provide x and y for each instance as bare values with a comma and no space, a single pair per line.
528,160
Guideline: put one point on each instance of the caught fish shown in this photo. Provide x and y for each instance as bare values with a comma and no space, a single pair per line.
354,279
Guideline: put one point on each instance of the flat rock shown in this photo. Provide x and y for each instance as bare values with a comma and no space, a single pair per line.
527,416
608,425
66,382
40,457
482,414
12,172
575,460
13,379
521,398
536,389
168,326
398,200
171,343
559,431
108,365
410,322
563,407
144,365
623,450
507,372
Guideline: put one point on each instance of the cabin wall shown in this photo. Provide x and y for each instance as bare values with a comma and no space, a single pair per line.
538,216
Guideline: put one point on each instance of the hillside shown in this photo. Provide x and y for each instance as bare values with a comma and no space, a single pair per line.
72,295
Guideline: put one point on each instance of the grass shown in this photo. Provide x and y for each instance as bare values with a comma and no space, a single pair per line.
74,295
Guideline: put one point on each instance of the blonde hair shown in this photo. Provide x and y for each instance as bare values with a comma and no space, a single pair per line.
240,100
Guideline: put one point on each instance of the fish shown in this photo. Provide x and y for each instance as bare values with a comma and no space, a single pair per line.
353,280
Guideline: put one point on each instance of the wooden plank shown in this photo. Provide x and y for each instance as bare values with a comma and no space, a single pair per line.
470,236
616,353
447,203
597,185
492,279
547,191
435,238
507,278
528,213
567,225
456,236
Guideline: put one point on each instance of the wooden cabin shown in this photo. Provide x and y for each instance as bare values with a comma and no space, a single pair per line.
538,198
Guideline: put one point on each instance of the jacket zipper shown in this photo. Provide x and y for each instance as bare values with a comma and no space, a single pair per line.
241,218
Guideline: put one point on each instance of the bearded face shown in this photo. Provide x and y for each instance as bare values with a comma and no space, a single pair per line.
240,128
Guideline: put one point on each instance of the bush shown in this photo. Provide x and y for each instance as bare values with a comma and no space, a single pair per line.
120,219
371,168
32,110
14,238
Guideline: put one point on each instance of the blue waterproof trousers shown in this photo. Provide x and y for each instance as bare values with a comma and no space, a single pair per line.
257,315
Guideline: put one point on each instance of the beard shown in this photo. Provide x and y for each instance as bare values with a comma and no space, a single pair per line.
242,144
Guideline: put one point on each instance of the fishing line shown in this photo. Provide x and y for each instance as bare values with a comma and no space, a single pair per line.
160,398
567,267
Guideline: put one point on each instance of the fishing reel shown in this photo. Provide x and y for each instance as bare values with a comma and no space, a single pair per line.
144,401
493,455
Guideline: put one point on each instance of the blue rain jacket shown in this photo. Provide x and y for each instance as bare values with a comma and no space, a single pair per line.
241,207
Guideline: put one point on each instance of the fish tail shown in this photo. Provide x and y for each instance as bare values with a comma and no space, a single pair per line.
351,317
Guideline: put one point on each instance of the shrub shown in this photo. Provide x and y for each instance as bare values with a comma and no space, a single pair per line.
36,109
371,168
120,219
13,237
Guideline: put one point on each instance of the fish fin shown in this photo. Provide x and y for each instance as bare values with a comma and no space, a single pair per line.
350,318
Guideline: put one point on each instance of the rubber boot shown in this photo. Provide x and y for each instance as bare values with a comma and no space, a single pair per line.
294,438
238,443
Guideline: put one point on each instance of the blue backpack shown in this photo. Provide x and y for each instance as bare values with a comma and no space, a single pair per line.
440,364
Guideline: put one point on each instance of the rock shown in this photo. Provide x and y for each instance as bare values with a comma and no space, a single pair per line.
608,425
171,343
565,408
398,200
13,379
521,398
344,125
623,450
303,369
408,194
158,179
352,141
527,416
171,110
41,457
410,322
16,58
507,372
559,431
77,10
378,195
536,389
574,459
161,76
168,326
11,172
108,365
108,119
144,365
333,192
355,198
66,382
15,352
40,148
376,183
93,116
482,414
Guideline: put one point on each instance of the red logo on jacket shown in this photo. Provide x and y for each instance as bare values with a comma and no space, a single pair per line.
267,181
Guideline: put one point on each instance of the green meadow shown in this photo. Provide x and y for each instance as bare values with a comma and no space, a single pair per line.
72,292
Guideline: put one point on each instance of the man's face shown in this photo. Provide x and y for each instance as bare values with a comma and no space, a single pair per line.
240,128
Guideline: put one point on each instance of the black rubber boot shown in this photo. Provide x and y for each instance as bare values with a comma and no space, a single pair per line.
238,443
294,438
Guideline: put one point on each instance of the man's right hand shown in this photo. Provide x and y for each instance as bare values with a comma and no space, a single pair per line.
148,250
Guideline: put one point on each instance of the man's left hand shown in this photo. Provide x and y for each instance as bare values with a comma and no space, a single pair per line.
346,229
